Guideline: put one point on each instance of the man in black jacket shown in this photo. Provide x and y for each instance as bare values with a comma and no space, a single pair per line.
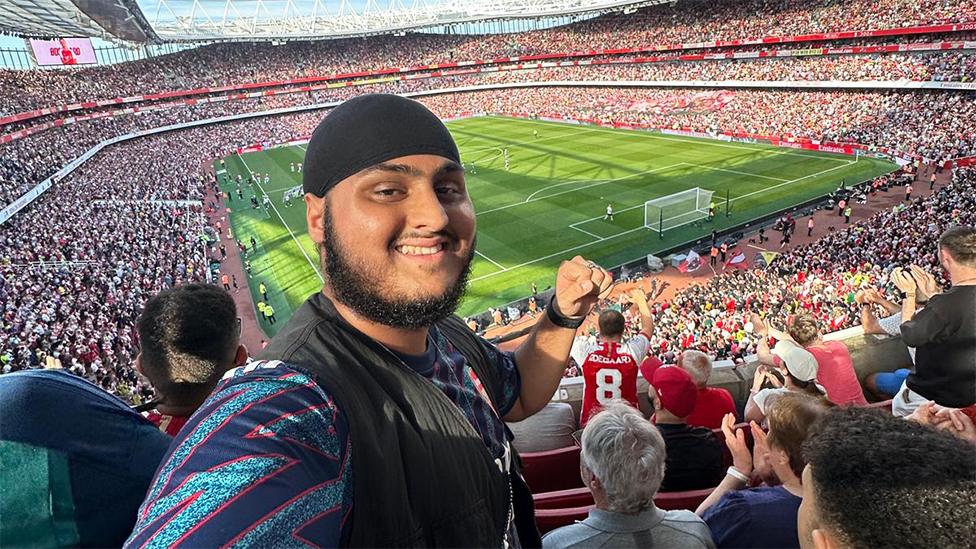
694,456
378,420
944,332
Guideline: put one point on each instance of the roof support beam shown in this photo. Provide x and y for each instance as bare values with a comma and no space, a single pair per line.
320,19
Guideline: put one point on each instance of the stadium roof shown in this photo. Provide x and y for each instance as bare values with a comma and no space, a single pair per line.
196,20
45,18
141,21
120,19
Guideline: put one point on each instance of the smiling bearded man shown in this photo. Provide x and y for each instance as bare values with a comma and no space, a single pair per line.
377,419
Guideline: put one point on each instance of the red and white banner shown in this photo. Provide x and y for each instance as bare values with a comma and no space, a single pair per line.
691,263
738,260
64,52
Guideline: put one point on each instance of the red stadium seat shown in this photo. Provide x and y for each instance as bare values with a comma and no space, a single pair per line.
552,470
726,454
562,499
550,519
690,500
581,497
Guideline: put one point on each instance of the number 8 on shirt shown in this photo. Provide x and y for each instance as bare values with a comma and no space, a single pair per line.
610,372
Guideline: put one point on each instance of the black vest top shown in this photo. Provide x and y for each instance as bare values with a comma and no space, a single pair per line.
422,475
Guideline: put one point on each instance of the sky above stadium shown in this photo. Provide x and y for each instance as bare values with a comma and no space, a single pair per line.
283,18
272,9
261,8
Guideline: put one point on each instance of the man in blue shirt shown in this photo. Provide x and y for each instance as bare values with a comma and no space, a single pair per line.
76,461
360,432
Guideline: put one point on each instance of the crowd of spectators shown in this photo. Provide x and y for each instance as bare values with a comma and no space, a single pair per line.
805,47
77,264
702,20
947,66
70,291
29,160
822,278
669,23
930,124
934,125
931,62
934,64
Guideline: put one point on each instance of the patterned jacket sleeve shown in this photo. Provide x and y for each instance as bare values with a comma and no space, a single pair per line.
264,462
511,381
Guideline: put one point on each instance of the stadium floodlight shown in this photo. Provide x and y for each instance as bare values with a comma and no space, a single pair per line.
675,210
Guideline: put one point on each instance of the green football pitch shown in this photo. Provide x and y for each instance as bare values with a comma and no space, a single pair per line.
550,204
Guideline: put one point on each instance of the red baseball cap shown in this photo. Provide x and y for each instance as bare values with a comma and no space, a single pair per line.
676,390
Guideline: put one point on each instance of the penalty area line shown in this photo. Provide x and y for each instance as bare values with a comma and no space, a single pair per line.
492,261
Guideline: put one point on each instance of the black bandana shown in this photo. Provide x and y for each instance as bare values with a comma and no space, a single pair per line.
368,130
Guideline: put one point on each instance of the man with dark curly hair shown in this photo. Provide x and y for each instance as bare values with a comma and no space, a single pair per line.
874,480
189,336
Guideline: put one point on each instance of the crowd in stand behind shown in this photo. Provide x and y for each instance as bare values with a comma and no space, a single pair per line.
919,65
703,20
934,125
944,67
693,21
78,264
28,161
821,279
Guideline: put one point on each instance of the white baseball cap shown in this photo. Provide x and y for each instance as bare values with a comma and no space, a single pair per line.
800,362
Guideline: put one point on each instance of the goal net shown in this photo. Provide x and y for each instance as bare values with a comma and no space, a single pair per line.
674,210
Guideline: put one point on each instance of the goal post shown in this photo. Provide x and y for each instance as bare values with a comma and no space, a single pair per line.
675,210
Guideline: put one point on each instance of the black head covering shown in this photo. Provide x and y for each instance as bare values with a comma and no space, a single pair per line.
367,130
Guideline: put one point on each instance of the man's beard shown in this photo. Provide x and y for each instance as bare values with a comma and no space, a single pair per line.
352,288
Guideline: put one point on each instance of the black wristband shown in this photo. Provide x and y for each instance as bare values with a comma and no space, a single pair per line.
559,319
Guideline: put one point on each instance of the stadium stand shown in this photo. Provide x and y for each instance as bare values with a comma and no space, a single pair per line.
73,289
940,57
693,22
933,125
